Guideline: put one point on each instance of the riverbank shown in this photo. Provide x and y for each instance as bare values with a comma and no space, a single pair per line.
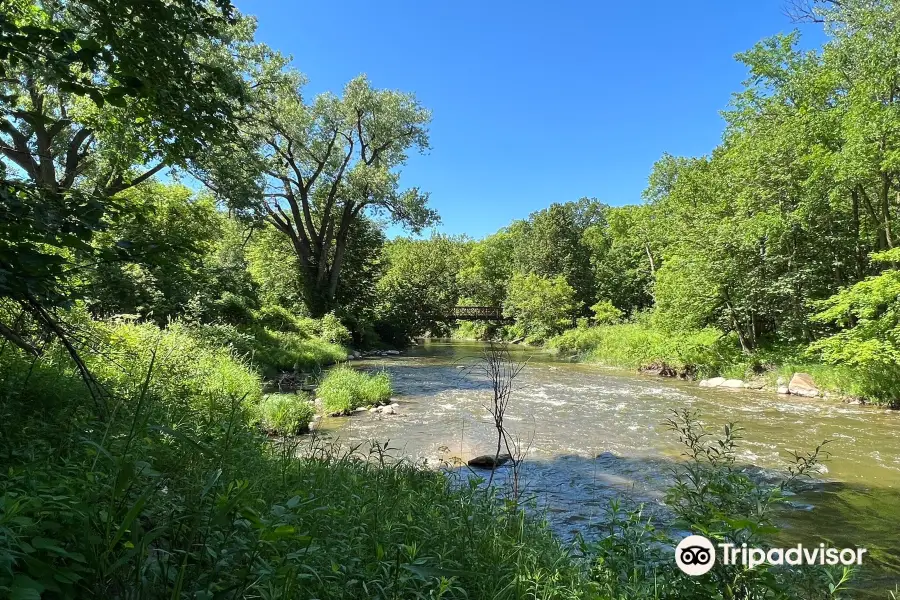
598,435
709,355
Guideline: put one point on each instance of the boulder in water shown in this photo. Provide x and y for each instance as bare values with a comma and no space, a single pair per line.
802,385
489,461
733,383
714,382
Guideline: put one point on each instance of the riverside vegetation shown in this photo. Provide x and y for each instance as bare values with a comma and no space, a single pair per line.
140,317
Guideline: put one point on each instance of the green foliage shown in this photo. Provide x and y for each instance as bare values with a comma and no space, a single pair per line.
169,235
283,414
419,286
345,389
714,497
272,351
605,313
868,314
332,330
542,307
275,268
635,346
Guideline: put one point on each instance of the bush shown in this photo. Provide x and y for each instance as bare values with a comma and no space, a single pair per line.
345,389
332,330
868,340
714,497
605,313
284,414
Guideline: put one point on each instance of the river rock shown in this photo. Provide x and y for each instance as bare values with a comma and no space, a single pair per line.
783,389
780,381
733,383
489,461
756,385
802,385
714,382
388,410
391,352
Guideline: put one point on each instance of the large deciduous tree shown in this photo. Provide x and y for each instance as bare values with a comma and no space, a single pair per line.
97,96
315,168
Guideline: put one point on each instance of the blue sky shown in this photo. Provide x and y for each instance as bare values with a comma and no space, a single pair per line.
534,103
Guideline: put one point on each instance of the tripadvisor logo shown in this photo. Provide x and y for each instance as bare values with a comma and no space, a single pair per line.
696,555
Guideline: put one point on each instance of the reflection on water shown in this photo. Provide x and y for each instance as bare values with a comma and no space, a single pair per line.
594,434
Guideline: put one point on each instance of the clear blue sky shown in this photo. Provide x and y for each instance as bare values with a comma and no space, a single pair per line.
533,102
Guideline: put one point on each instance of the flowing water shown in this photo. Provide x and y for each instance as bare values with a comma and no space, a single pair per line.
595,434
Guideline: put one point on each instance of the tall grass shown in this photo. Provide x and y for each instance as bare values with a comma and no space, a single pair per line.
345,389
284,414
271,351
633,345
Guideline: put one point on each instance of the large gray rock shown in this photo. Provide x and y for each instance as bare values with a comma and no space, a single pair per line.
783,389
487,461
714,382
802,385
734,384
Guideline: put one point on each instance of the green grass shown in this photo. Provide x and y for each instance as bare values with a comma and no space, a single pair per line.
703,354
272,351
345,389
284,414
635,346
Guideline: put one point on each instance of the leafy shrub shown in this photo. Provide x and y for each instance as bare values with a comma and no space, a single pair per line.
273,316
284,414
605,313
332,330
868,315
345,389
714,497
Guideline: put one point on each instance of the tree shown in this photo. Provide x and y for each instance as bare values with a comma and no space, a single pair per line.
541,306
551,243
89,108
318,167
486,269
176,256
867,316
419,286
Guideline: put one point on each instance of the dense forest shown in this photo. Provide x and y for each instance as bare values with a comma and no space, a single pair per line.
180,221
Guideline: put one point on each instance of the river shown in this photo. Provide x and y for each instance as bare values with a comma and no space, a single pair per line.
594,434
